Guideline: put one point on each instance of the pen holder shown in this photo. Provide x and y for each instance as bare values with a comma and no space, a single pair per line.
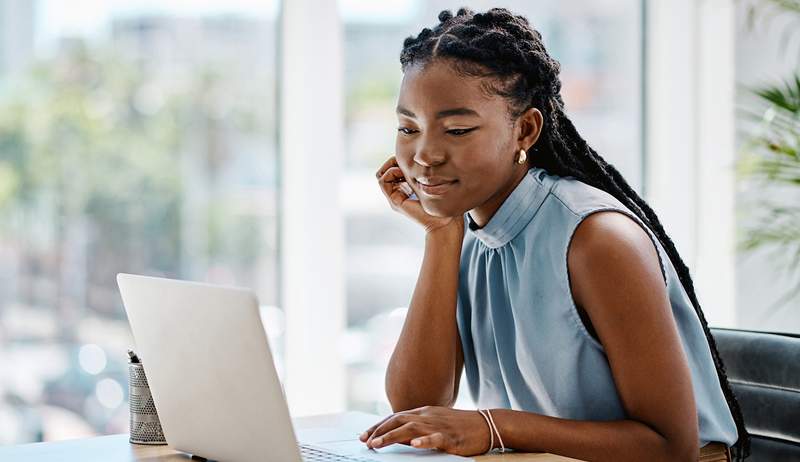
145,427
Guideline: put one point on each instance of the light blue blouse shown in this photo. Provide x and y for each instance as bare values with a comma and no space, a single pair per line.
525,346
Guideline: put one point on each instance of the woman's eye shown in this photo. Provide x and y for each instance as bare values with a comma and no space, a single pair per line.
455,131
460,131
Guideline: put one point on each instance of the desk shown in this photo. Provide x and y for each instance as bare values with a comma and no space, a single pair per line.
116,448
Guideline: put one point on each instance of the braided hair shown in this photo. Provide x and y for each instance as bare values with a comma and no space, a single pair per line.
504,47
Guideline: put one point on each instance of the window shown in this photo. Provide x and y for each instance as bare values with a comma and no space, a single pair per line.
134,137
767,280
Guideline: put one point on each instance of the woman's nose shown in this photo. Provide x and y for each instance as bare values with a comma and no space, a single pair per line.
427,158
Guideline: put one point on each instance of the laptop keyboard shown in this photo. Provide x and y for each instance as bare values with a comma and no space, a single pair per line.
314,454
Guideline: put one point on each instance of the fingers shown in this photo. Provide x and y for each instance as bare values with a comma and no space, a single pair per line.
400,193
416,411
432,441
413,427
402,434
368,432
390,185
392,177
390,162
394,181
389,424
406,188
392,422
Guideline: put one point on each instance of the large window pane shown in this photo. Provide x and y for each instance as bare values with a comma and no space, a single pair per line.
134,137
768,139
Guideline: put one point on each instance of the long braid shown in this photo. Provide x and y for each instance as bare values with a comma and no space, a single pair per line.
504,47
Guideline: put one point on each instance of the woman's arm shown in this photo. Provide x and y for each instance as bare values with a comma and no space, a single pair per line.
426,365
619,440
615,276
466,433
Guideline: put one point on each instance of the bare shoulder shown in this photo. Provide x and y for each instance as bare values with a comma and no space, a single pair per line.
610,251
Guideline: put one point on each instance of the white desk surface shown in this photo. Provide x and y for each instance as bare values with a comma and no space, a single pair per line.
116,448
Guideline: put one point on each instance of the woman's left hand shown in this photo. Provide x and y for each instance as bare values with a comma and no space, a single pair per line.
455,431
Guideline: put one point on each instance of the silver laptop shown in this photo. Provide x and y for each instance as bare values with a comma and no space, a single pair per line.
213,380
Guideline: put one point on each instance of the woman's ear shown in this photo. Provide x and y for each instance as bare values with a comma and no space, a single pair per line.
530,125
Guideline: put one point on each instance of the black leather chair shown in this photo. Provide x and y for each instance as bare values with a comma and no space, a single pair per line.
764,373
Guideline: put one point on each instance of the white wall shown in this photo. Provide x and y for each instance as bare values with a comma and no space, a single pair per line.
16,34
689,140
311,232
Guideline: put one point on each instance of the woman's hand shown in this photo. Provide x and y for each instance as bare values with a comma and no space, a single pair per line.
397,190
455,431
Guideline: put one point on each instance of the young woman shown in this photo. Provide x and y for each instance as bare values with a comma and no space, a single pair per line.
545,276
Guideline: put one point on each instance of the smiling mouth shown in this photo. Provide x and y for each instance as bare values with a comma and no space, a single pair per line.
434,186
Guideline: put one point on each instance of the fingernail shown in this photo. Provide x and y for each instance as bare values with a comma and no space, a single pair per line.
377,441
416,442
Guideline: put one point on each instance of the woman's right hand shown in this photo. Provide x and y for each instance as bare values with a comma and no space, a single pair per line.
392,183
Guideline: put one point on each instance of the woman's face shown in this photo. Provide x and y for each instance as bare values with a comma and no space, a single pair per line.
455,144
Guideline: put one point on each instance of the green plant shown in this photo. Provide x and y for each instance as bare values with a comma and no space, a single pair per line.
770,157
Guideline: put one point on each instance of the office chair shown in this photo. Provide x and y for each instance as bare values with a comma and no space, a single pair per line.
764,373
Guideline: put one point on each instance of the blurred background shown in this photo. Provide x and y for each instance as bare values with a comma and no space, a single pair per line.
150,137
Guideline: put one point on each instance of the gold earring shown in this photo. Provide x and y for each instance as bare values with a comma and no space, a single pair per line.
522,157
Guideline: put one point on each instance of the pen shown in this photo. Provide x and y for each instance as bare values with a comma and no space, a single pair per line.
133,357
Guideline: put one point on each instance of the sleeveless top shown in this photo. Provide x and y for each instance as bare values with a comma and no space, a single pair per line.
525,346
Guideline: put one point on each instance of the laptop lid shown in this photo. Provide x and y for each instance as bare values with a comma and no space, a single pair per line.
210,369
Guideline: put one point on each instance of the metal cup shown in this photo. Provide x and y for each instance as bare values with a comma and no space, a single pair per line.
145,428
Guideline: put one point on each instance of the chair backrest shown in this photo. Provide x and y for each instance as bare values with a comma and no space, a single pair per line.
764,372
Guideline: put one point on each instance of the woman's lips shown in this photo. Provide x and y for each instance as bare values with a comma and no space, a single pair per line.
432,186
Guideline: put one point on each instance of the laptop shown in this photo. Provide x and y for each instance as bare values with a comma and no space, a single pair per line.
214,383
